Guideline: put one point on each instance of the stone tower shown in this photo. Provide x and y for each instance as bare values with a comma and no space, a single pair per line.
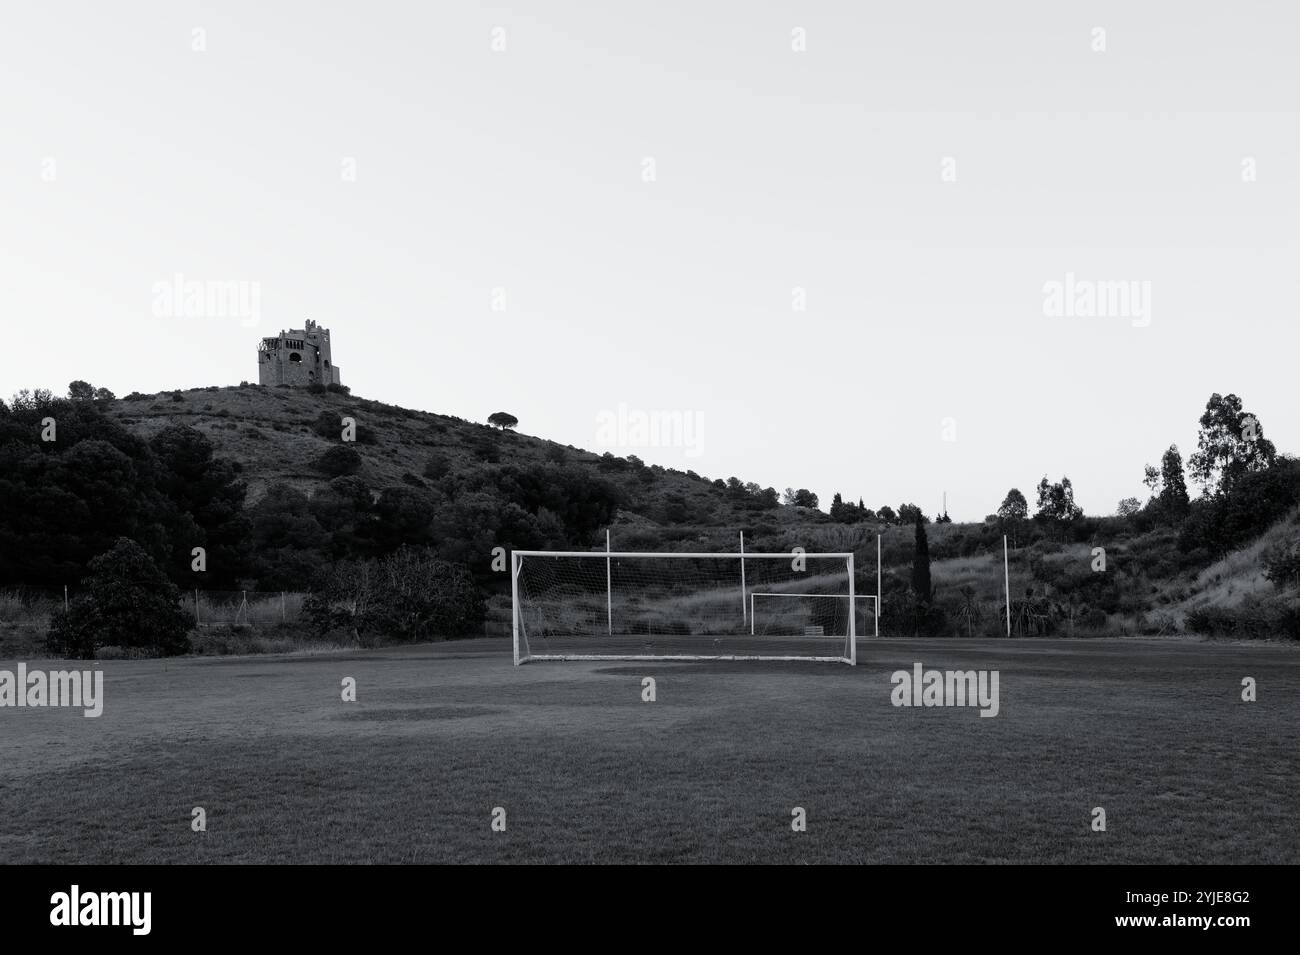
297,357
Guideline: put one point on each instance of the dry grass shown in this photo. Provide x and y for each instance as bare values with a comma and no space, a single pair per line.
1227,582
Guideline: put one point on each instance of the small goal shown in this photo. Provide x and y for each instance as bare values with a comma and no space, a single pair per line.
602,605
774,611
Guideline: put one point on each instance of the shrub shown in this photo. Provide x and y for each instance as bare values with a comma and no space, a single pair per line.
1094,619
437,467
410,594
127,602
1255,618
338,461
1282,562
328,425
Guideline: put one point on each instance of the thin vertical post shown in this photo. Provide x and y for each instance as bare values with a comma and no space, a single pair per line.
853,617
609,587
65,598
1006,577
879,594
196,606
744,609
283,614
514,602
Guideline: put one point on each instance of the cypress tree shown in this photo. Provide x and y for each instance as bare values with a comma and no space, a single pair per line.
921,565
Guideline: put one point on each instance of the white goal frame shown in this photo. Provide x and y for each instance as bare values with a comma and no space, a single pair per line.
851,597
516,562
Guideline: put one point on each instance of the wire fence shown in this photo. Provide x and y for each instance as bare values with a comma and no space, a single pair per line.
29,607
245,608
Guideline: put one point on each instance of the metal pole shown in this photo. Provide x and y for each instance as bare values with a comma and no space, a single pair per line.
879,602
196,606
609,587
744,610
1006,575
514,603
853,617
65,598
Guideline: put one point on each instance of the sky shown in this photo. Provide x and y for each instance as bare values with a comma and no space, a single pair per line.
890,250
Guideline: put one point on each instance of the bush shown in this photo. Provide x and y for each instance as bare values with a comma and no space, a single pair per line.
328,425
1282,563
338,461
127,603
1255,618
410,594
437,467
1094,619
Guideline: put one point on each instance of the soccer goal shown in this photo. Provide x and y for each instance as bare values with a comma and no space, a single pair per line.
598,605
776,611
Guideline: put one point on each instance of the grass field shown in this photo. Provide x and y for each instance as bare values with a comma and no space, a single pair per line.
1153,731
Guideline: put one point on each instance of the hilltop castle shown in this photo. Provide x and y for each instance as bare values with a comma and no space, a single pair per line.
297,357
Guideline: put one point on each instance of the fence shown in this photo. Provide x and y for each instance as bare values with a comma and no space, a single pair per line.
244,608
31,607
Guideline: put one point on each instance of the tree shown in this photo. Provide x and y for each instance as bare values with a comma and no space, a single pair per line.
81,390
1014,506
910,514
1056,501
1129,507
1230,444
886,515
503,420
103,394
804,498
1174,502
921,587
126,602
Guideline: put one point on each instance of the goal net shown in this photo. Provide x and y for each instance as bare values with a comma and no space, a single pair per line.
662,606
770,612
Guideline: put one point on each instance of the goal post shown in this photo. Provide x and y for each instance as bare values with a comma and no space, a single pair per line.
621,605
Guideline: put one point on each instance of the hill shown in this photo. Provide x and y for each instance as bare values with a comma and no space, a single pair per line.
277,435
263,479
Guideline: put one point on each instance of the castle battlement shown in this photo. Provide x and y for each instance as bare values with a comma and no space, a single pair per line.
297,356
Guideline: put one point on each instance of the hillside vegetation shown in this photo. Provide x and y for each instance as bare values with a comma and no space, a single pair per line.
316,490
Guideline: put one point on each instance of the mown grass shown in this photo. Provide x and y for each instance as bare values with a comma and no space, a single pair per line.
1152,731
